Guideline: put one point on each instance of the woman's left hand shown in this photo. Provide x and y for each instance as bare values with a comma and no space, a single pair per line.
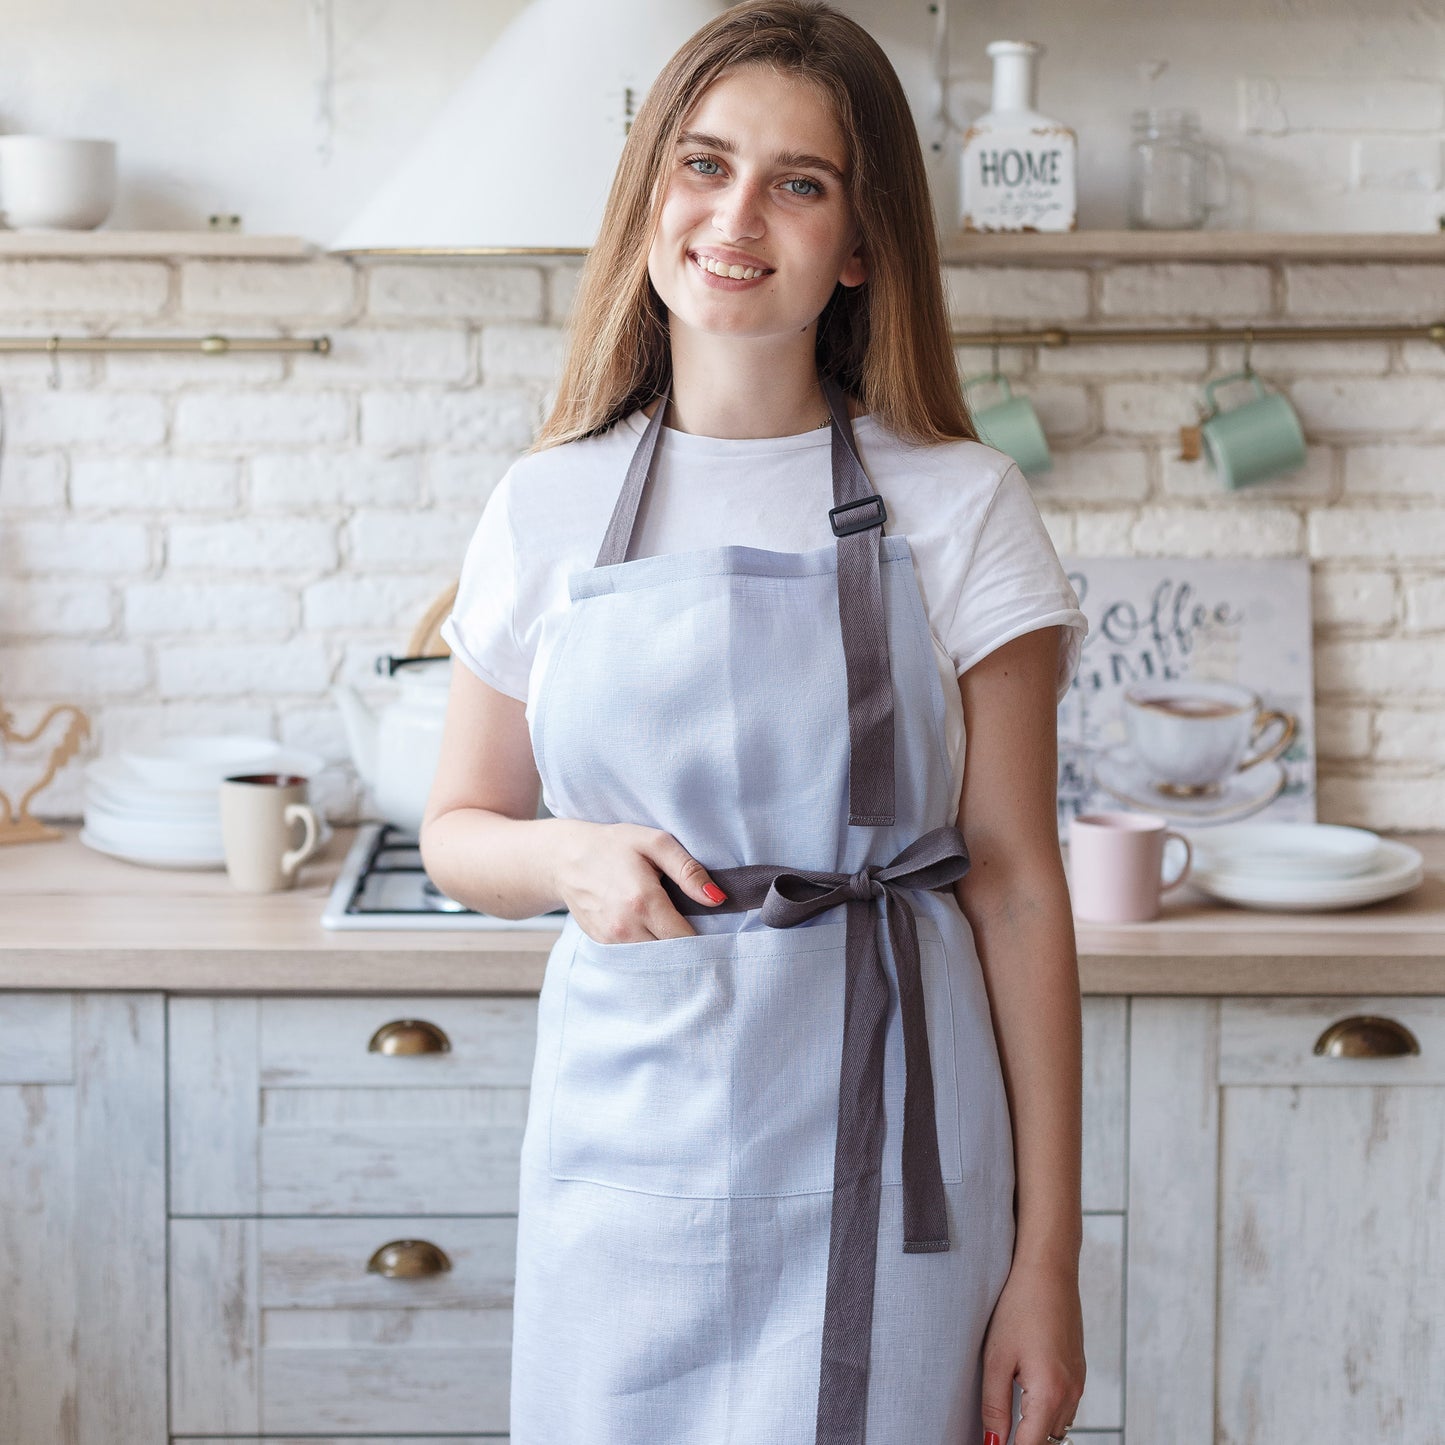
1037,1333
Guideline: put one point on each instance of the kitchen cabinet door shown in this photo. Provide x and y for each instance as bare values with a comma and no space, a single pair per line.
1286,1235
348,1105
82,1219
341,1327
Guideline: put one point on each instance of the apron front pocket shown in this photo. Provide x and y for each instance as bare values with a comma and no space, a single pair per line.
641,1097
707,1066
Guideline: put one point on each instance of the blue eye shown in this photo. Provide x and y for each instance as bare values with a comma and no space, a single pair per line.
817,190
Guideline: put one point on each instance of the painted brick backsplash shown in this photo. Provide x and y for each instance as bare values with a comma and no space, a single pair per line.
193,543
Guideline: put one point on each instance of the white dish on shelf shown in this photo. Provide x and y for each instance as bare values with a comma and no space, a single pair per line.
202,834
168,856
1286,850
150,858
1397,869
201,761
118,775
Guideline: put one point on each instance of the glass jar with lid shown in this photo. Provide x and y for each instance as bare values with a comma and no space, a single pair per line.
1169,170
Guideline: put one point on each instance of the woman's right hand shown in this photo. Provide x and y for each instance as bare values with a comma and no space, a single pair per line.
608,876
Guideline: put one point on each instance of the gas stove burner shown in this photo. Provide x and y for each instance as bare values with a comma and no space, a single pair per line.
439,902
382,884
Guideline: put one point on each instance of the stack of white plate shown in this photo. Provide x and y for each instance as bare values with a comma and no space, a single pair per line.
1301,866
162,807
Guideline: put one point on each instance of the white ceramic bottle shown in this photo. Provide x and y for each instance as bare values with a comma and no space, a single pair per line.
1018,166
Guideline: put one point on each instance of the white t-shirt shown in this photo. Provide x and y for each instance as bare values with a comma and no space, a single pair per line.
987,568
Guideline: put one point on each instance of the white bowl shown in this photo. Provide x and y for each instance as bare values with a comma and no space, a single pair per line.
148,858
1285,850
201,762
119,828
53,183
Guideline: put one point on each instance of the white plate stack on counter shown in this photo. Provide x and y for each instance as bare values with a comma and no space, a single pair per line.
1302,867
162,807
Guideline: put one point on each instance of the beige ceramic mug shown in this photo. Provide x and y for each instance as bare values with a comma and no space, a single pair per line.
259,812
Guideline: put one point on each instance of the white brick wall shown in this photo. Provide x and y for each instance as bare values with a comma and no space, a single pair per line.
190,543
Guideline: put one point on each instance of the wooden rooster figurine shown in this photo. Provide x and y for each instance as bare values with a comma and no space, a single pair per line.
16,824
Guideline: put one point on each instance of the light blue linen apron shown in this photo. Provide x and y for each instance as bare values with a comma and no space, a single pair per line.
709,1250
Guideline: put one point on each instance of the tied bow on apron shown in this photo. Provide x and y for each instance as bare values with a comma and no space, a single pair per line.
788,897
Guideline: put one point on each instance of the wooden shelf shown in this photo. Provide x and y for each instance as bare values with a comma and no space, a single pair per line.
960,248
1067,247
103,244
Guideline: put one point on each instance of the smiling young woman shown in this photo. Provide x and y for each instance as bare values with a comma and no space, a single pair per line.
801,1162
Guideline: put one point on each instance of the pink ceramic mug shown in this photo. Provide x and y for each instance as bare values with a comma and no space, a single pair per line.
1116,865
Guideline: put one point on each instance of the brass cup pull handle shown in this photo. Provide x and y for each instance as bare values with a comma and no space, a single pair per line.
408,1259
409,1036
1367,1036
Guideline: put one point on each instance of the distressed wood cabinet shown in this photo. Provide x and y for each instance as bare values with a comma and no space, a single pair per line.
266,1185
1286,1256
82,1218
343,1182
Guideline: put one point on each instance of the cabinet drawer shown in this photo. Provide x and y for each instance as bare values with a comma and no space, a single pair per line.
279,1327
1272,1040
305,1106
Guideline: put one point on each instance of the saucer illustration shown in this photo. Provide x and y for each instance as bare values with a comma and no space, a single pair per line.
1120,773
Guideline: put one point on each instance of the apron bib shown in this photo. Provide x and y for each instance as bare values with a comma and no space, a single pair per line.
767,1173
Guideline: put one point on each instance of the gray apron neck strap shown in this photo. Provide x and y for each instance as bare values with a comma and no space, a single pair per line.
857,510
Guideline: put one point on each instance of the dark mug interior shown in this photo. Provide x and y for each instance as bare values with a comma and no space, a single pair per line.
268,780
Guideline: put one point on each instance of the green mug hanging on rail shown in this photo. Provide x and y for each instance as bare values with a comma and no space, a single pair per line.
1012,425
1254,441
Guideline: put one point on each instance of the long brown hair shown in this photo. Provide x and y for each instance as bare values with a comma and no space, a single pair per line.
886,341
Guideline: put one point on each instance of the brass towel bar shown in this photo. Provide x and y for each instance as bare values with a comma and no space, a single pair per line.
1052,337
211,345
1056,336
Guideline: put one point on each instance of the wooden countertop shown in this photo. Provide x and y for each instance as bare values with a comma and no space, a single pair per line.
75,919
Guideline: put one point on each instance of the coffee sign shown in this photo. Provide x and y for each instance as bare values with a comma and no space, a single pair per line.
1194,695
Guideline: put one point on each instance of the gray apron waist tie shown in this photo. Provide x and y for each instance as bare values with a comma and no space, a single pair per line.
935,860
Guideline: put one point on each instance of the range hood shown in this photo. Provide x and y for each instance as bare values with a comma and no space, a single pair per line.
521,158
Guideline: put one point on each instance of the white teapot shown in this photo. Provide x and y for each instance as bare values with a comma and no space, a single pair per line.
396,750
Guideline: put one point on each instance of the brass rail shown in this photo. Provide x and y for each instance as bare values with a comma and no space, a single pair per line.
1058,336
210,345
1053,337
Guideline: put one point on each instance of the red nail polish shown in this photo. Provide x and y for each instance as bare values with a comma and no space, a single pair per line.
714,893
990,1438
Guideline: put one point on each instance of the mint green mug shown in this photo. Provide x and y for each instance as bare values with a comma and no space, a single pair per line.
1012,425
1254,441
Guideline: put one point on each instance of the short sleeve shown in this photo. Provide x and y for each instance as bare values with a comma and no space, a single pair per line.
1015,583
480,629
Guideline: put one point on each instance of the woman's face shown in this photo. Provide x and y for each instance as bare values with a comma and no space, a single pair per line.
752,184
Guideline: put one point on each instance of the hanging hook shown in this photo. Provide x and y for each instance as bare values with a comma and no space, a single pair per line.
1248,347
53,347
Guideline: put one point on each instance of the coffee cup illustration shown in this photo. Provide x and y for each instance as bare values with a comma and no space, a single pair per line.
1192,735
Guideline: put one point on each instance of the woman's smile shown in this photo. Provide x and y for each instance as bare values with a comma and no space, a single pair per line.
725,277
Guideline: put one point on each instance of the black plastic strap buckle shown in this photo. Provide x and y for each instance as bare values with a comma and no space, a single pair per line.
858,524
